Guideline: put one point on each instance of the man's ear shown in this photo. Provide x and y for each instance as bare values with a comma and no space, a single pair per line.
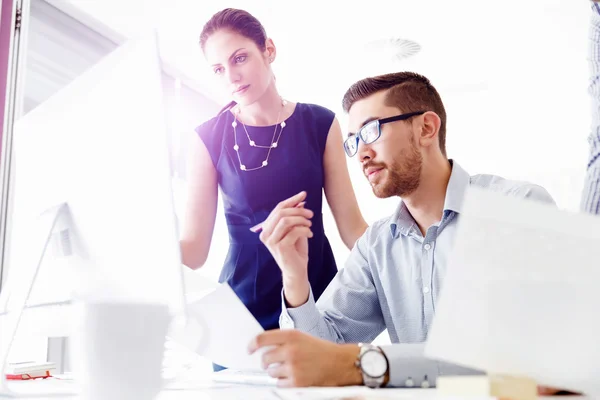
429,128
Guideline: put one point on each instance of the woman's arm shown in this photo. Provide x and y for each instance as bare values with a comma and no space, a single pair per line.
339,191
201,207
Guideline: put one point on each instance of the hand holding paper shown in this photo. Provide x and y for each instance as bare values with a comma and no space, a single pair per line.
220,328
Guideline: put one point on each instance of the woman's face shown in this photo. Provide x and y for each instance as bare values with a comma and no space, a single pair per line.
241,68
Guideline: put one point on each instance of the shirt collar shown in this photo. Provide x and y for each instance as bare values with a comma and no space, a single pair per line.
403,223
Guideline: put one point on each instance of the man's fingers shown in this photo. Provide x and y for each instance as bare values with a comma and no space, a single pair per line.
285,226
296,233
273,357
273,337
279,371
550,391
285,383
276,216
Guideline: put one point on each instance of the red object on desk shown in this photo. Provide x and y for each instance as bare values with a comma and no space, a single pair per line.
26,377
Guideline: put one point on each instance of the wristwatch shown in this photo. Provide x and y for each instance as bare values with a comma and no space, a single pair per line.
373,365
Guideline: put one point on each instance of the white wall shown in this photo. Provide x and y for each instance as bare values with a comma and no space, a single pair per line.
512,75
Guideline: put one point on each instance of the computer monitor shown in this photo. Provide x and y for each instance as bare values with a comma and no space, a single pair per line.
520,294
93,203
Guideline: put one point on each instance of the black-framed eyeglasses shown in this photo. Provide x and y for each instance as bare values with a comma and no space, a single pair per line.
371,131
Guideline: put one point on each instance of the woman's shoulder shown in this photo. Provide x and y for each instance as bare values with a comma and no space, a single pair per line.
213,125
316,114
315,109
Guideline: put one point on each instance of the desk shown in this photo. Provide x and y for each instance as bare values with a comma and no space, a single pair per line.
206,391
248,392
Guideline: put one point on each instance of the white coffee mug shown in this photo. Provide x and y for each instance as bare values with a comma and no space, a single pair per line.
118,349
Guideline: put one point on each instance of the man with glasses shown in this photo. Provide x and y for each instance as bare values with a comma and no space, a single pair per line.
393,276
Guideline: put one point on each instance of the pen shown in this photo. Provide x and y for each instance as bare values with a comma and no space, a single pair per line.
258,227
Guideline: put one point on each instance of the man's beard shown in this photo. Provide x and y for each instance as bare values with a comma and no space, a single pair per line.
404,174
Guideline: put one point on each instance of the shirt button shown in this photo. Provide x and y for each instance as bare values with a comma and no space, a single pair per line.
287,323
425,290
427,246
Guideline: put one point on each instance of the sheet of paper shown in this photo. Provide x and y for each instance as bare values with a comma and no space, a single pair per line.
233,392
220,328
325,393
354,393
521,294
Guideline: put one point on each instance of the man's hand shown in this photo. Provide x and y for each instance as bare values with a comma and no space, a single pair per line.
550,391
285,233
298,359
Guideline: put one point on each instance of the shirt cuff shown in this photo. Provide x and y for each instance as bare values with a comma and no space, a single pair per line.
304,318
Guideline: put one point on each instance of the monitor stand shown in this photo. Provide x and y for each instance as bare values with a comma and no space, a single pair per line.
16,292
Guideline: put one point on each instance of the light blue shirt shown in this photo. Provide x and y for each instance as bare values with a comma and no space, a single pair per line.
590,200
392,280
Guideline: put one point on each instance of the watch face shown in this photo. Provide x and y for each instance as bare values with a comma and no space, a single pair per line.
373,363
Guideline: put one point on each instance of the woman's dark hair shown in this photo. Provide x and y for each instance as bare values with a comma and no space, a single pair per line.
228,107
238,21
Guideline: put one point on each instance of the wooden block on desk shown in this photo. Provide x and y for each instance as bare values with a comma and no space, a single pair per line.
499,386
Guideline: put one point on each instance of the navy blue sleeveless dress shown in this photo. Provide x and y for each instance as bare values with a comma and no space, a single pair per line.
296,164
